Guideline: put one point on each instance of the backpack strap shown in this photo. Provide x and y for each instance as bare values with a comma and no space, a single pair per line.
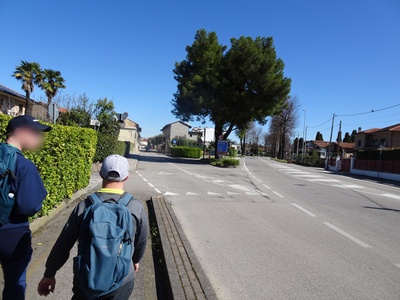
125,199
95,198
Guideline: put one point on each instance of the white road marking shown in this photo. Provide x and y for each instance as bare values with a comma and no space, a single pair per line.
397,265
232,193
157,190
279,195
137,172
170,194
140,175
323,180
266,186
349,186
308,176
304,210
298,172
145,179
258,180
192,194
253,194
349,236
150,184
164,173
213,194
391,196
244,166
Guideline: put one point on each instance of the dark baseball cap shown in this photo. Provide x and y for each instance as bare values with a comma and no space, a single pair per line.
26,121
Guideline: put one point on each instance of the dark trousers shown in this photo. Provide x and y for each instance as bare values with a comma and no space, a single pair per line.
123,293
15,255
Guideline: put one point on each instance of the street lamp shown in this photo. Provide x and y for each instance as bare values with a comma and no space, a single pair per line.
304,131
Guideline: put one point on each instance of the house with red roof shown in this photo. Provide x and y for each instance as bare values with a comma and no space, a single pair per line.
375,138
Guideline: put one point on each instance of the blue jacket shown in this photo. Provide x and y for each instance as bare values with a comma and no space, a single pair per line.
29,193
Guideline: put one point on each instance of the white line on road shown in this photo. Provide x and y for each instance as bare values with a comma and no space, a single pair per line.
170,194
140,175
391,196
397,265
213,194
266,186
157,190
145,179
349,186
192,194
137,172
304,210
150,184
349,236
279,195
258,180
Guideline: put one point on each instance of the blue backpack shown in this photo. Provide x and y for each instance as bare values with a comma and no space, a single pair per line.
105,246
8,157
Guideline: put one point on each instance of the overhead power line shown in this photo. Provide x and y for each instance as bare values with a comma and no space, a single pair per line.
369,112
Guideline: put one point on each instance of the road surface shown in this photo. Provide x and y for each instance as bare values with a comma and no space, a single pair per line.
269,230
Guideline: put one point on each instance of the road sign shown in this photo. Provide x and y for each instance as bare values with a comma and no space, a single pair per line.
54,112
222,147
221,137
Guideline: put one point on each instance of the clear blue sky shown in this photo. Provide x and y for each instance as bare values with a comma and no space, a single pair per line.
343,56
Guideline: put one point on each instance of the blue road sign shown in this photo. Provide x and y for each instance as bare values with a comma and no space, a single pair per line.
222,147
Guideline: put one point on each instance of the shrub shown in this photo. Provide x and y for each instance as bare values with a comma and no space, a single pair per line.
108,144
64,162
184,151
226,162
232,152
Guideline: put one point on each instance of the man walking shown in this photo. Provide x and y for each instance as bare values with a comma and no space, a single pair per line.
106,241
28,192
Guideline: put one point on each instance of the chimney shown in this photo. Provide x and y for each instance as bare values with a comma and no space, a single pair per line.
359,129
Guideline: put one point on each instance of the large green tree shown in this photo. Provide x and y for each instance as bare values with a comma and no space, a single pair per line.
229,87
29,73
104,112
50,83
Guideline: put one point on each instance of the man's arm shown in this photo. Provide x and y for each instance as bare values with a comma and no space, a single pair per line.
140,237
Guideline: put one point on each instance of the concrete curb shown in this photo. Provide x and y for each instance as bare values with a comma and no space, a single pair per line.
186,276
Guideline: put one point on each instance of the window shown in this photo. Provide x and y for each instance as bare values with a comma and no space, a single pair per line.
375,142
383,143
359,143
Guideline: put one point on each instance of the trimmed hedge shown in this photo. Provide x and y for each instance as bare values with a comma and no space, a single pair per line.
108,144
64,162
185,151
226,163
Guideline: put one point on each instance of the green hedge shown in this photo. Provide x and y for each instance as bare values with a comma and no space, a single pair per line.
184,151
374,154
64,162
226,162
108,144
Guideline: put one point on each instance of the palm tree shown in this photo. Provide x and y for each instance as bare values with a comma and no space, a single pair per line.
29,74
51,82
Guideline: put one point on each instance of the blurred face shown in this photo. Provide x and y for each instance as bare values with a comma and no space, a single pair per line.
29,138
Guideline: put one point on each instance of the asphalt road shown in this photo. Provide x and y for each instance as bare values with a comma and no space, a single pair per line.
269,230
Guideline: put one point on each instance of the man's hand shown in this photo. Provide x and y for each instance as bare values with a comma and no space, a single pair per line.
136,267
46,285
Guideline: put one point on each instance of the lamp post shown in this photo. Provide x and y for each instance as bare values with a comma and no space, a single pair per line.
304,131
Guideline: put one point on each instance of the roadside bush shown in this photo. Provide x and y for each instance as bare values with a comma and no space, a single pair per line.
232,152
64,162
184,151
226,163
108,144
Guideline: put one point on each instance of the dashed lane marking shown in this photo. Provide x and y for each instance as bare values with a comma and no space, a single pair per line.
349,236
279,195
164,173
266,186
192,194
213,194
231,193
145,179
391,196
304,210
170,194
150,184
157,190
140,175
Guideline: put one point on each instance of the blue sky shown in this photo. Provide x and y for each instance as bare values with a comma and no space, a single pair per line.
343,56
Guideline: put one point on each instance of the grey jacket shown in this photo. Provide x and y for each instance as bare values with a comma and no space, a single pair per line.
70,234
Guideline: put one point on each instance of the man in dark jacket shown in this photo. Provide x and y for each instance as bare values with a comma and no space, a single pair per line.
115,172
23,133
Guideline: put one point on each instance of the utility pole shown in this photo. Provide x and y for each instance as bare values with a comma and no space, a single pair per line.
330,144
339,137
304,130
